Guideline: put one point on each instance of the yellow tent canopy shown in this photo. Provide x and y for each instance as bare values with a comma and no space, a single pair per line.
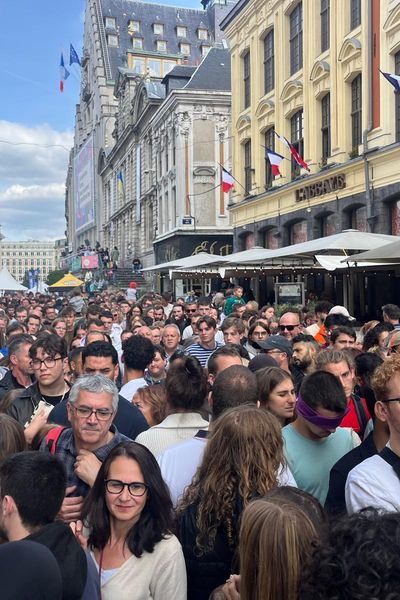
67,281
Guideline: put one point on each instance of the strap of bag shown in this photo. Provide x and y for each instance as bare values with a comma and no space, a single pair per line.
52,439
390,457
360,412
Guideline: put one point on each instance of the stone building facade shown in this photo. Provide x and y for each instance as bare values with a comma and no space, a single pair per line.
310,71
125,43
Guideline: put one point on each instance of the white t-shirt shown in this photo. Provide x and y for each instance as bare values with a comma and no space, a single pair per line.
373,483
129,389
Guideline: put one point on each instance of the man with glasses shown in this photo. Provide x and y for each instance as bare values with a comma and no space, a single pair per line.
48,359
290,325
92,405
376,481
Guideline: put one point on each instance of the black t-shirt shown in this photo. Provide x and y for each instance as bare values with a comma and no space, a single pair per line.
54,400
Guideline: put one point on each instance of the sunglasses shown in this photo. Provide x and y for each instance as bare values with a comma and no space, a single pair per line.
191,310
288,327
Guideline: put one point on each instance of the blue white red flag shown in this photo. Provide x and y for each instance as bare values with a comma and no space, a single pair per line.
64,73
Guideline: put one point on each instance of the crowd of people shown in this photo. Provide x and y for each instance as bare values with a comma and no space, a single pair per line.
202,448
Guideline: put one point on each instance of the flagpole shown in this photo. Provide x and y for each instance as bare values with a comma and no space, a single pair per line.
234,178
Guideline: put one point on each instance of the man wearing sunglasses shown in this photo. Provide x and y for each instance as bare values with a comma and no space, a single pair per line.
290,325
376,481
48,359
92,404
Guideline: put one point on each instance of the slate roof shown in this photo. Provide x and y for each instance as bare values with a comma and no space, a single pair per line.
214,73
148,14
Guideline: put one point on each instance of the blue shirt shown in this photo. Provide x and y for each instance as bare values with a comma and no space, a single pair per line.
311,461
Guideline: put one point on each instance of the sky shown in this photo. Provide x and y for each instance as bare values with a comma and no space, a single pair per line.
36,120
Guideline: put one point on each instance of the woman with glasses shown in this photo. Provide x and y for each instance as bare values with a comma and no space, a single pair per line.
130,518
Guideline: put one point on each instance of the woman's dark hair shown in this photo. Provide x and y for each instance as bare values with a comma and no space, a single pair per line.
255,325
267,379
359,560
186,384
81,324
156,519
371,338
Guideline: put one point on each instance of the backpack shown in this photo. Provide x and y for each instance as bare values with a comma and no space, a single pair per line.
52,439
361,414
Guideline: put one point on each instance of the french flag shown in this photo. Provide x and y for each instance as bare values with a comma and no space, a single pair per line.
227,180
394,80
302,163
64,73
275,159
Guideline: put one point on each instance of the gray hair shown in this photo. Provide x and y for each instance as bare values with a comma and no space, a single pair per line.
96,384
173,327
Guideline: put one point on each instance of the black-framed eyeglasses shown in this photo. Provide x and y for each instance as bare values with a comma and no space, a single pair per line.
135,488
48,362
391,400
288,327
85,412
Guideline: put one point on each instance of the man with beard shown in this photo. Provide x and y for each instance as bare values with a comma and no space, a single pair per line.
304,351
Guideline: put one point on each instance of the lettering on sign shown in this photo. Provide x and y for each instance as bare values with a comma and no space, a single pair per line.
320,188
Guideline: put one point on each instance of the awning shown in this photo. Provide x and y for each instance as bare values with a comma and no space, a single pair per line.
387,254
68,281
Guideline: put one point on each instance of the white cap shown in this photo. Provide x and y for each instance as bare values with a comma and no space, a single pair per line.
341,310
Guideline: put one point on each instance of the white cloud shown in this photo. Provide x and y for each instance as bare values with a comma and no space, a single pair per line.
33,170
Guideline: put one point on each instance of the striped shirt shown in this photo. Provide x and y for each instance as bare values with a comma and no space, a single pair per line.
202,354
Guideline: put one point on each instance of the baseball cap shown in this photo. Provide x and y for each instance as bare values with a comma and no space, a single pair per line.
260,361
277,342
341,310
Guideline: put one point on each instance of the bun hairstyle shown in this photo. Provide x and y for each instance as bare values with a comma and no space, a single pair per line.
186,384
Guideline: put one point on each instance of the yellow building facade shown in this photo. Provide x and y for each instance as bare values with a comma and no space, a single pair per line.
310,71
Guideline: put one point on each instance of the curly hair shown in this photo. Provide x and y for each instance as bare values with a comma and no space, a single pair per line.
155,397
241,460
360,560
383,374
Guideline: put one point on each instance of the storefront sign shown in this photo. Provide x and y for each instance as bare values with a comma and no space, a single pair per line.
320,188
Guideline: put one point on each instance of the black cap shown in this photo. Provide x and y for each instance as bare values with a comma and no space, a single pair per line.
277,342
261,361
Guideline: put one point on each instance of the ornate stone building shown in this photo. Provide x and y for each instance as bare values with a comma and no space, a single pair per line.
167,153
125,43
310,71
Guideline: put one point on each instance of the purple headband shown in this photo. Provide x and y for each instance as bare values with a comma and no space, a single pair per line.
315,418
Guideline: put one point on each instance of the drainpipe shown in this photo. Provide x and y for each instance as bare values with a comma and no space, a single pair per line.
368,195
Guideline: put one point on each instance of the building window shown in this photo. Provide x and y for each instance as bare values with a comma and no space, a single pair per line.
205,50
110,22
168,66
326,126
202,34
133,27
296,138
138,65
112,40
325,19
269,68
247,167
355,13
137,43
185,49
269,142
161,46
397,96
181,31
154,67
356,112
158,28
296,39
246,79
